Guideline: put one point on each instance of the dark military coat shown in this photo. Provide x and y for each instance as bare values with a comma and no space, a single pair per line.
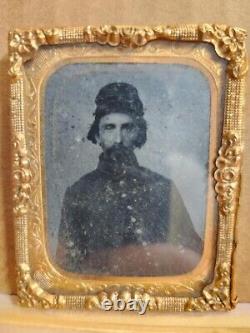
111,208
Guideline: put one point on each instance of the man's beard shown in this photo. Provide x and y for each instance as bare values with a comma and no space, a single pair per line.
120,156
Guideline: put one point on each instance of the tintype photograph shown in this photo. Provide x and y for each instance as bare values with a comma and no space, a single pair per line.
126,153
127,148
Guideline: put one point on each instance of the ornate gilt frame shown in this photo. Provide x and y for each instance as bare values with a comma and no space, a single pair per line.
37,285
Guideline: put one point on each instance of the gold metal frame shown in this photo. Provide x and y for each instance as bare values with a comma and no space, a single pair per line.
39,282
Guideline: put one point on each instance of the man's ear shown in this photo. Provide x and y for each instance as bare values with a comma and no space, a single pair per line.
97,138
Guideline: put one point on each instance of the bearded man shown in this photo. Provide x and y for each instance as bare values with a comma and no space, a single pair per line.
123,218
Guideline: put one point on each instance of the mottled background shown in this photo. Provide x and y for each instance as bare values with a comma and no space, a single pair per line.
176,100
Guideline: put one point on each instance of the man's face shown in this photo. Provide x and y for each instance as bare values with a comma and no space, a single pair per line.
117,128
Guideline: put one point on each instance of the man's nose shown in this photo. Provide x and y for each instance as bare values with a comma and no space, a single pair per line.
118,136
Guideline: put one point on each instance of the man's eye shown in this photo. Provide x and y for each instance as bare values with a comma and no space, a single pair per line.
128,127
109,126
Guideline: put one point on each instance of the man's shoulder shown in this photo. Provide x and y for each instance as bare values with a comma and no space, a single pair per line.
86,182
155,177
